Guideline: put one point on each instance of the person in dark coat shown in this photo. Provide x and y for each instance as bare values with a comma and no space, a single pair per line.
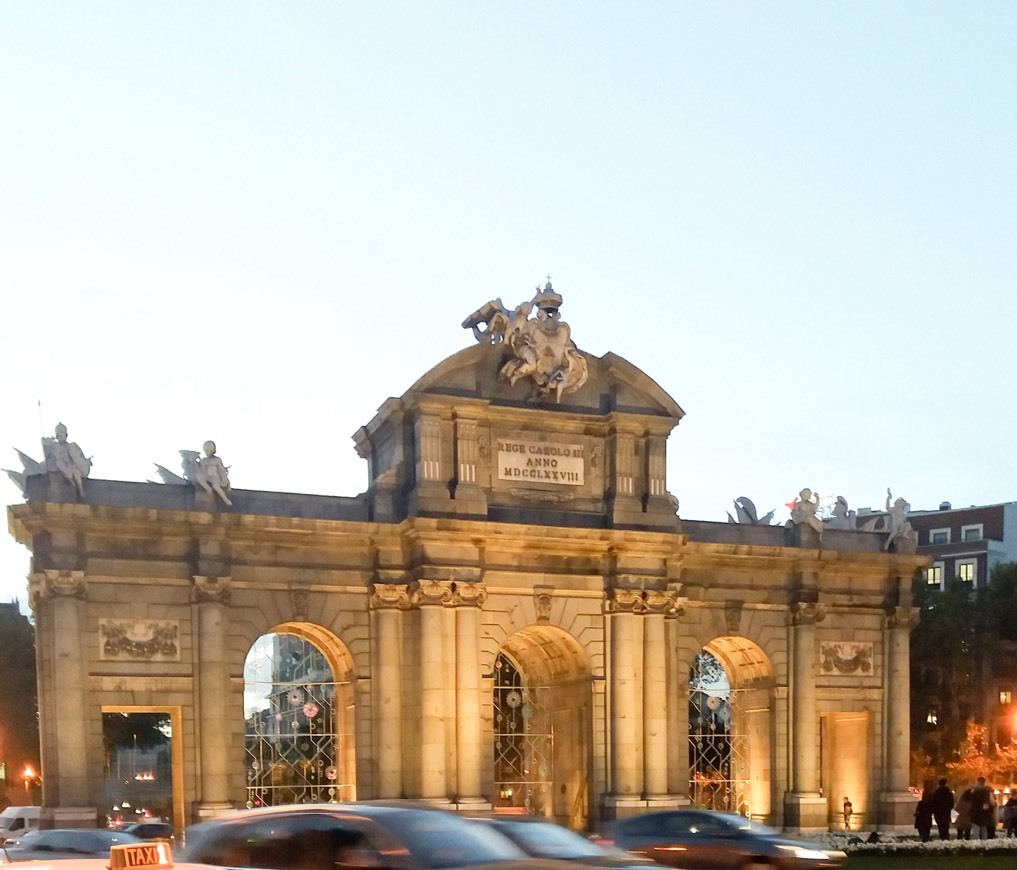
942,807
923,817
983,810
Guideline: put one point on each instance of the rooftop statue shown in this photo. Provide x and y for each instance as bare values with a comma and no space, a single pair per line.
842,517
900,528
541,346
745,512
189,461
805,511
66,458
211,473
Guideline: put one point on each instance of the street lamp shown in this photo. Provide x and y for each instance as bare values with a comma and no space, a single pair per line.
28,776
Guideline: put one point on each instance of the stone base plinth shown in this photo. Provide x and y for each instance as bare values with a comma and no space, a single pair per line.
897,811
68,817
806,813
666,801
472,805
617,807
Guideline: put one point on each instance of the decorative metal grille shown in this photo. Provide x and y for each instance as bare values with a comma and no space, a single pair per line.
292,737
523,742
718,743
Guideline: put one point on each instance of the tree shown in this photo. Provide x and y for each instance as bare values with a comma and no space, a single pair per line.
19,708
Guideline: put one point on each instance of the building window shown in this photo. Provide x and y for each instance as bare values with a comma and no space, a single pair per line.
1006,698
934,574
932,718
939,536
971,533
966,570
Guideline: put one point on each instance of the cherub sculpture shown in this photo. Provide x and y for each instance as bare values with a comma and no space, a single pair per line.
900,528
211,474
541,346
805,511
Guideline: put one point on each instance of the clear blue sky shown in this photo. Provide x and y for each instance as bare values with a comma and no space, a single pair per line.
254,222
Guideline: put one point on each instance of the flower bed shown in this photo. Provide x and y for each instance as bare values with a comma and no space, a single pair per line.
909,844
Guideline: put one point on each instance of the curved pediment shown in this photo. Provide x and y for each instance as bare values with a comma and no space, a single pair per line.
614,385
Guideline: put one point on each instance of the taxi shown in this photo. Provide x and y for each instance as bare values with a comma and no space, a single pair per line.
149,855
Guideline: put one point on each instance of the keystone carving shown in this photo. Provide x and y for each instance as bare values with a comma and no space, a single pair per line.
733,616
542,602
298,603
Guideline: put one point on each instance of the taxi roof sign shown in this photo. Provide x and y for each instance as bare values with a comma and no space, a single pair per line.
141,856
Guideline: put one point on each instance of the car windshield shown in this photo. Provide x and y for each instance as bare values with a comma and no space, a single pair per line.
544,840
439,839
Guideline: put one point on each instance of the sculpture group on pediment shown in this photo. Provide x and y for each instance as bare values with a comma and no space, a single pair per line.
805,510
60,456
541,345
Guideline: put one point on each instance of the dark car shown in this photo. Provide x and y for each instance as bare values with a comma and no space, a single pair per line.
540,838
694,839
350,836
57,843
150,830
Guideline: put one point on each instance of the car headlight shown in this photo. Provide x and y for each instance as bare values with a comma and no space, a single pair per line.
805,853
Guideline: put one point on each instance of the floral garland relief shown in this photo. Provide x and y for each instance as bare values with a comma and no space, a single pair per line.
846,658
154,640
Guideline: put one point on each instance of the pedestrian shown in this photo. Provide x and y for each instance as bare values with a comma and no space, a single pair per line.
942,807
1010,816
983,810
848,812
923,817
964,814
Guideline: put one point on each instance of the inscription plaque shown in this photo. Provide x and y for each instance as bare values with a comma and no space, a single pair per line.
540,462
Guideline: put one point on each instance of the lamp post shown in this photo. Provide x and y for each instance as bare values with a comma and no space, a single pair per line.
28,776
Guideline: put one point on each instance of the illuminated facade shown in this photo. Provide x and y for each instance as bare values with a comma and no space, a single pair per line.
511,615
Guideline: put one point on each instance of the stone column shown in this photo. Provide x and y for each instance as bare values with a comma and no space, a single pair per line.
805,808
388,600
431,596
897,802
655,699
625,656
68,762
211,595
677,709
468,598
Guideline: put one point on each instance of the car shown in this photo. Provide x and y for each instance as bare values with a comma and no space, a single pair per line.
541,838
352,836
694,839
59,843
150,830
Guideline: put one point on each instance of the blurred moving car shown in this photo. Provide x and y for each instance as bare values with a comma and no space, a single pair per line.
541,838
694,839
60,843
351,836
150,830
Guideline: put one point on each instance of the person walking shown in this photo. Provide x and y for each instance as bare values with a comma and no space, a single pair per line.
923,817
848,812
964,814
942,807
1010,816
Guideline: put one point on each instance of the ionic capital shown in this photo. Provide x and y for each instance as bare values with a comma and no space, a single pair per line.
211,590
905,618
469,594
390,596
807,613
56,584
431,593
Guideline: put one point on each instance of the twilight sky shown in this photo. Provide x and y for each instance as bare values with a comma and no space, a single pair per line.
254,222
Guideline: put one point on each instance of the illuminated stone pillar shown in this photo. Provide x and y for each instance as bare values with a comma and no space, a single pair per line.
805,809
626,701
468,598
655,698
388,601
678,763
65,767
212,594
897,802
431,597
